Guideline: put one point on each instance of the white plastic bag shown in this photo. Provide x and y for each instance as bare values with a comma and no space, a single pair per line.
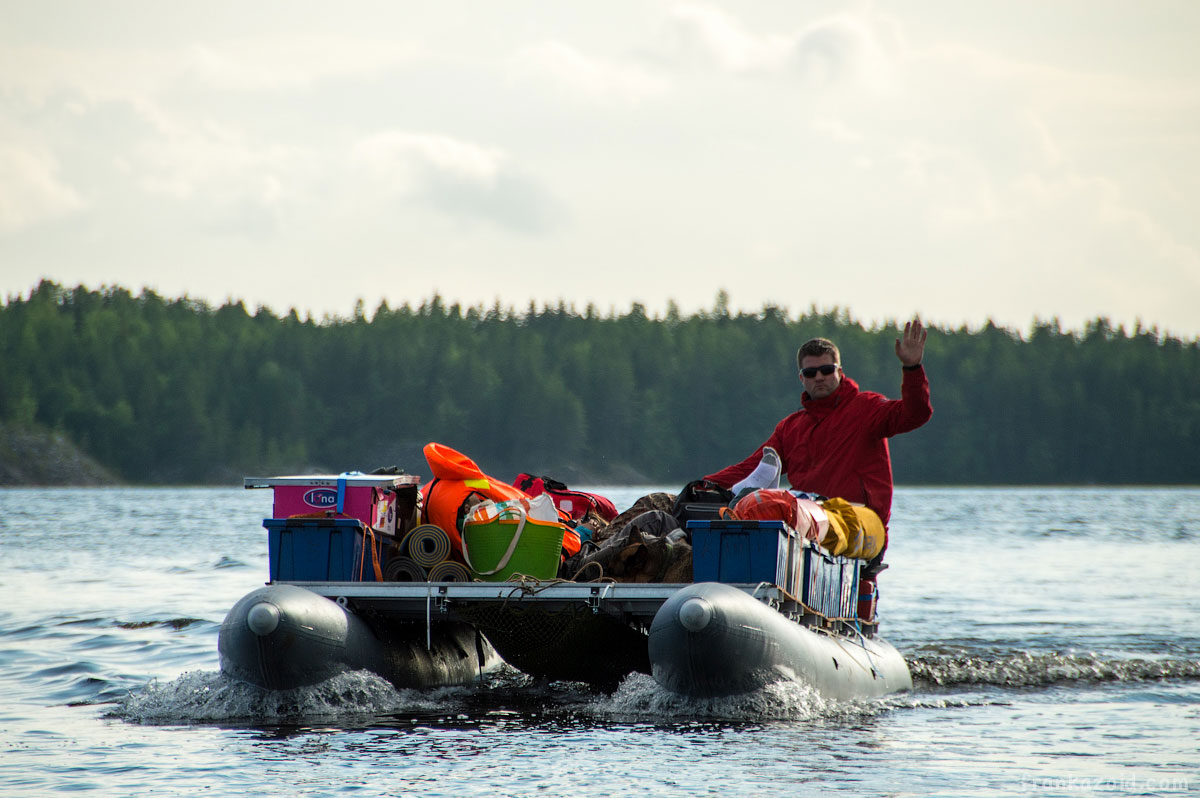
539,508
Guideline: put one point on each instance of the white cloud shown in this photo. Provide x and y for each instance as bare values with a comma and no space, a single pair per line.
259,64
830,144
36,73
837,130
111,122
129,153
404,160
457,177
271,63
213,160
576,72
840,49
710,37
829,50
1100,205
30,188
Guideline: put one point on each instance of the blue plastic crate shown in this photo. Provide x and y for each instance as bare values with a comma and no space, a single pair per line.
321,550
742,551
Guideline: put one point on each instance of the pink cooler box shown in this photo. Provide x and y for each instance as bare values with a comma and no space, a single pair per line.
370,498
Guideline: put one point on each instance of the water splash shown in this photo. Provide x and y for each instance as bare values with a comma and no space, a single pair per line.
210,696
1027,669
639,696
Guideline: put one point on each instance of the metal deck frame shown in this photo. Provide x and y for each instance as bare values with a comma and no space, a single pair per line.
426,601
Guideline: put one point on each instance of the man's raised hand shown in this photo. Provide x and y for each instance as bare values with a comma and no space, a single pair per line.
910,348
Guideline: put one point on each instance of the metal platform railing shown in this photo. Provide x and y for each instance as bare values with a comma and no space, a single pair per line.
439,600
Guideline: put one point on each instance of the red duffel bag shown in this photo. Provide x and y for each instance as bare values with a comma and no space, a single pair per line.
574,503
775,505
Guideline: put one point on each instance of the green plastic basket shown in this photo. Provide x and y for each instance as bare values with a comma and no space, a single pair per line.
497,549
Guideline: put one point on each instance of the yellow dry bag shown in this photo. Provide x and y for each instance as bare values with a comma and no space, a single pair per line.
864,534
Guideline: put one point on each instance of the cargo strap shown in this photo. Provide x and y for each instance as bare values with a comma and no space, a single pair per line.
369,539
341,488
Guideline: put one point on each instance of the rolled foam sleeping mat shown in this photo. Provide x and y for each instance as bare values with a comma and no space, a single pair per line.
403,569
427,545
449,571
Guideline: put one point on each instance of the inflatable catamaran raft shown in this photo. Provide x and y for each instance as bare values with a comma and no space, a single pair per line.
350,589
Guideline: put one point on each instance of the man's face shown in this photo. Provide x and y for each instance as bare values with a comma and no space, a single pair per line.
819,385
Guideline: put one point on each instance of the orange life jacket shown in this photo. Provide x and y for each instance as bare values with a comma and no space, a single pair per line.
455,478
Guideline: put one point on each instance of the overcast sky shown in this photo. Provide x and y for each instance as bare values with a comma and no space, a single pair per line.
964,160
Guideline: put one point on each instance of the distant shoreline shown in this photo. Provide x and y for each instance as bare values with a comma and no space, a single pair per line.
39,458
33,457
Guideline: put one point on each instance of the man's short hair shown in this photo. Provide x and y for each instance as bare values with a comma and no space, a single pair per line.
816,348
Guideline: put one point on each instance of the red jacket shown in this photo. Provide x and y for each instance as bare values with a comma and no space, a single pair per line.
837,446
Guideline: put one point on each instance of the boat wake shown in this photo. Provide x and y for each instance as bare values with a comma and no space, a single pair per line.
639,697
210,697
952,668
213,697
203,697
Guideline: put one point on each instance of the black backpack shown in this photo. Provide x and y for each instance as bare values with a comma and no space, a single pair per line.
700,500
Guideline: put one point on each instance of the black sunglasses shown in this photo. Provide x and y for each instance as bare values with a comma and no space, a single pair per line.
826,369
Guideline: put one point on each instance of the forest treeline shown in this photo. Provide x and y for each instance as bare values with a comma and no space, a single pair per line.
163,390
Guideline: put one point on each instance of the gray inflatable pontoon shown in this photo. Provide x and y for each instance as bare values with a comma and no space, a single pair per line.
281,637
702,640
711,640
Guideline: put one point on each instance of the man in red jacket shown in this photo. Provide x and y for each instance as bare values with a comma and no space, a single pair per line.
836,444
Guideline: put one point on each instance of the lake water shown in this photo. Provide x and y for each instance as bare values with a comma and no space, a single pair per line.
1053,635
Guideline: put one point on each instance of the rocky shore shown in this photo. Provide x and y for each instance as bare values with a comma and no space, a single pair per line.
31,456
